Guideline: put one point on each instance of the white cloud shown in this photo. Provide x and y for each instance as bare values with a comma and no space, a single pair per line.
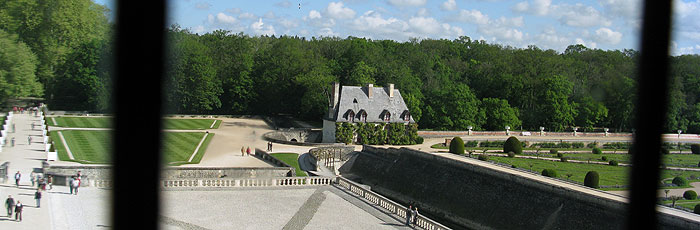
223,18
423,12
202,5
288,24
314,14
424,25
591,45
407,2
686,23
327,32
473,17
576,15
247,15
259,28
377,27
449,5
608,36
198,29
233,10
629,10
337,11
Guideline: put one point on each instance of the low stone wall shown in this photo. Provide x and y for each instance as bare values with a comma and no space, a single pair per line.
339,152
463,195
91,175
192,173
301,137
4,171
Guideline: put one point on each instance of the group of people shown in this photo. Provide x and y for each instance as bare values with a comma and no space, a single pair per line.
14,207
32,110
245,151
269,146
411,215
74,183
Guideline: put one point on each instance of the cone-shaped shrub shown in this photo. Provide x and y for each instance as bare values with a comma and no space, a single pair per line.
690,195
513,145
592,179
457,146
597,151
680,181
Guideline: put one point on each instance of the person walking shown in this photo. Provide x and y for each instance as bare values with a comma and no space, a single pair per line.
12,141
49,180
80,177
32,177
29,140
37,197
18,211
70,184
243,151
415,215
408,215
42,183
270,146
76,185
10,205
17,177
248,150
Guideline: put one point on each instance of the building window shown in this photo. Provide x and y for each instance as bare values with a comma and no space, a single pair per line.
407,116
363,116
351,116
387,116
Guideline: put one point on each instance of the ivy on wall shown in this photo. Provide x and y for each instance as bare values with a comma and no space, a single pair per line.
377,133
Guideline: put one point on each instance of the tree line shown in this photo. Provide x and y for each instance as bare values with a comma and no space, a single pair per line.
62,51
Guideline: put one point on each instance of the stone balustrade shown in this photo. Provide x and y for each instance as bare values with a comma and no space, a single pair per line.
387,204
248,182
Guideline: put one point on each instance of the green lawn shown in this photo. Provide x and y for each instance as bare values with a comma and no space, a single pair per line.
291,159
93,147
105,122
609,175
80,122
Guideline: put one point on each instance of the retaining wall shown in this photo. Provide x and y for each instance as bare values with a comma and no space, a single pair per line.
463,195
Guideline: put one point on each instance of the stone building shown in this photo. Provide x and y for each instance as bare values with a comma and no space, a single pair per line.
367,104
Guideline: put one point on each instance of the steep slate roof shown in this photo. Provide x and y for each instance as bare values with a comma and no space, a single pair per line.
375,107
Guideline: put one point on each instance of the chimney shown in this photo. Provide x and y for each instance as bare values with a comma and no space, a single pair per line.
391,90
369,90
335,97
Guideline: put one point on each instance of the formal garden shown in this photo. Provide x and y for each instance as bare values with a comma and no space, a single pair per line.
93,146
587,166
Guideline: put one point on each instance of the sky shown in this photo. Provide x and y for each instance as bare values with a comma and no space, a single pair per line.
547,24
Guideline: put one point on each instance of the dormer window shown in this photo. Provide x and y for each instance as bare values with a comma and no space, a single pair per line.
351,116
363,115
387,116
406,115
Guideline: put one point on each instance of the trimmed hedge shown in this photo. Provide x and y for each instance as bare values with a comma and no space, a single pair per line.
513,145
596,151
680,181
553,151
690,195
564,159
457,146
511,154
483,157
697,209
613,163
604,158
592,180
549,173
695,148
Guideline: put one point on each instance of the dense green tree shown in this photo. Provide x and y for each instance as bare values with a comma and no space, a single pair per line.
17,69
191,83
80,84
499,114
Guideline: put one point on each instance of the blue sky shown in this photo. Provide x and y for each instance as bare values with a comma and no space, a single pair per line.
547,24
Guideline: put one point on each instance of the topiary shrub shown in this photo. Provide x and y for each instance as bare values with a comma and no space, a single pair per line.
695,148
483,157
549,173
560,155
553,151
596,151
690,195
680,181
697,209
604,158
613,163
564,159
511,154
513,145
592,180
457,146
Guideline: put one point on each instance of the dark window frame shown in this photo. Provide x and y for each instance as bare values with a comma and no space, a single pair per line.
140,55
